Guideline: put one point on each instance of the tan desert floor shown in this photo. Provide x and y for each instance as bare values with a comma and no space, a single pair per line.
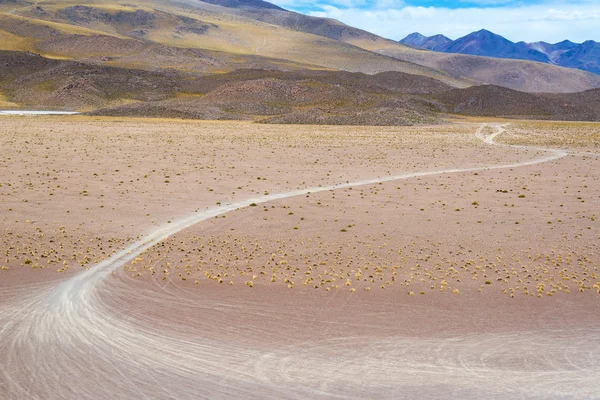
453,285
91,185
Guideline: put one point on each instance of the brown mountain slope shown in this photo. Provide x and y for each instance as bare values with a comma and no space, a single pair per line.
304,101
308,97
303,97
51,28
356,99
515,74
224,35
387,98
326,27
37,82
498,101
63,41
520,75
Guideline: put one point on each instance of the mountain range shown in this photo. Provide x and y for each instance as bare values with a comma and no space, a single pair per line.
584,56
253,60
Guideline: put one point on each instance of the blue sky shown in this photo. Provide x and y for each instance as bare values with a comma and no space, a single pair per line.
528,20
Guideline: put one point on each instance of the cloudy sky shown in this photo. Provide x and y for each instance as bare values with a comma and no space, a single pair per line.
528,20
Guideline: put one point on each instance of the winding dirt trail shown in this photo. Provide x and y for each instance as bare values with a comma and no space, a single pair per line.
65,341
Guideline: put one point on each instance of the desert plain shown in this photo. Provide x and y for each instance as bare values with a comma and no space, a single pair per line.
155,258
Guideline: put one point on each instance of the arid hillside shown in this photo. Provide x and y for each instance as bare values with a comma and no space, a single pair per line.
200,38
499,101
337,98
33,81
526,76
217,36
270,96
311,101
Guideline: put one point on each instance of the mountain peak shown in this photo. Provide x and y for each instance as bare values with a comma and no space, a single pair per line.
488,44
565,43
416,36
440,36
584,56
484,33
415,39
419,41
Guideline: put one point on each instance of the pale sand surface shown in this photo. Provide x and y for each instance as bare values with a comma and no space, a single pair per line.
96,184
334,308
429,234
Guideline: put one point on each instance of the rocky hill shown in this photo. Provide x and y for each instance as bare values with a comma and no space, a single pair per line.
216,36
271,96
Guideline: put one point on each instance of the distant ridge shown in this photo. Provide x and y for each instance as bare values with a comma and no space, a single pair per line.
419,41
584,56
198,37
488,44
553,51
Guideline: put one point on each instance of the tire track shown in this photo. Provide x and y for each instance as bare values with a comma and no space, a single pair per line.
101,270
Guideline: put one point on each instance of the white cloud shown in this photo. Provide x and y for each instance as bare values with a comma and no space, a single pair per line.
550,22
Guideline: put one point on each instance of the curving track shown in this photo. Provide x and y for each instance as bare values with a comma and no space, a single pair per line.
70,341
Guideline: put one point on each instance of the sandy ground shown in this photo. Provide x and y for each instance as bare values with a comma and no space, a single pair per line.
498,231
91,185
476,284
